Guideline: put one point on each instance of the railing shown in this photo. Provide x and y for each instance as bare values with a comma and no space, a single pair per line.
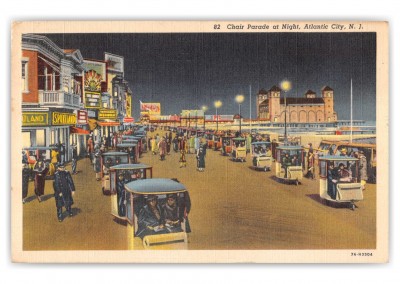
58,99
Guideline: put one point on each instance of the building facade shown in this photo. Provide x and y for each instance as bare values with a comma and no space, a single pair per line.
272,106
66,97
51,81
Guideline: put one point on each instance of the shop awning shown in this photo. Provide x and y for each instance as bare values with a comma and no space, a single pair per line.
78,130
108,123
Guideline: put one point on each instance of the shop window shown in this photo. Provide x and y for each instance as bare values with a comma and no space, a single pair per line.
53,81
26,139
24,75
40,137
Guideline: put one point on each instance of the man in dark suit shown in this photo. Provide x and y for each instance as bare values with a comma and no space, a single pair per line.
151,218
64,189
333,179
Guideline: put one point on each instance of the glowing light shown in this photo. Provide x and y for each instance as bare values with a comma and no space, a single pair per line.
286,85
239,99
218,104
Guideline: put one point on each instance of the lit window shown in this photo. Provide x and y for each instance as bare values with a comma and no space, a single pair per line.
24,75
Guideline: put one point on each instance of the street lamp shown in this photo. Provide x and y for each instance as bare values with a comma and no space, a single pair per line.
204,108
285,86
240,99
196,122
217,105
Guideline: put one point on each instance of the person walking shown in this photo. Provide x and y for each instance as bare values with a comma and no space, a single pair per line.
90,149
333,178
54,157
40,170
310,166
168,141
149,143
153,143
175,143
196,144
162,146
25,181
114,140
182,159
201,153
64,189
97,165
363,169
248,143
74,159
121,194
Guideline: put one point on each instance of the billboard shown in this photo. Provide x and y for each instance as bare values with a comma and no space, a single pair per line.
107,114
114,62
35,118
95,74
192,113
92,99
128,106
62,118
82,117
151,108
165,118
221,117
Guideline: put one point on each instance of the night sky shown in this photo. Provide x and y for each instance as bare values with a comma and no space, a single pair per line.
186,71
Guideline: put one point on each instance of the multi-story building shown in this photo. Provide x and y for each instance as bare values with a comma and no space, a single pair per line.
107,97
51,92
272,107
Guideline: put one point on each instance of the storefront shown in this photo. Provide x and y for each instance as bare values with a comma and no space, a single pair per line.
80,132
45,128
60,133
36,129
107,121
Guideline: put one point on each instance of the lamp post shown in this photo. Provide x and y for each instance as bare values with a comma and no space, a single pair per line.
240,99
285,86
204,108
217,105
196,122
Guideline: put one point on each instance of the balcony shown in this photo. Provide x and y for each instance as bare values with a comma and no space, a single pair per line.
59,99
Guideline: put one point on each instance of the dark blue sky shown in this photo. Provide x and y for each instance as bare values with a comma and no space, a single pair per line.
186,71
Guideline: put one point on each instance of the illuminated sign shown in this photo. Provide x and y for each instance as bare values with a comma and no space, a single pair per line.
165,118
35,119
110,114
129,119
92,81
221,117
151,108
174,118
82,117
60,118
192,113
92,100
95,74
114,62
128,105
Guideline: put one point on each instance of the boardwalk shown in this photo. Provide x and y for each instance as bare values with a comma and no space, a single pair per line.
233,207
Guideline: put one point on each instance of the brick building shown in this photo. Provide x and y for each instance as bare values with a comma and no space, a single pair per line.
51,85
306,109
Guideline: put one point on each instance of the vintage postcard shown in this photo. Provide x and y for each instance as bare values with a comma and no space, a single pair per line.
200,142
